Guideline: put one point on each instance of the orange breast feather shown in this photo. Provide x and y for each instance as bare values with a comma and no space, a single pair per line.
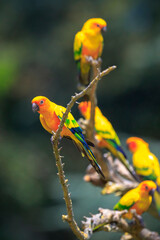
90,52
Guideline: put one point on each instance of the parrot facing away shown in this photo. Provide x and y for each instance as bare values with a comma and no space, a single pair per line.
138,198
50,117
88,42
105,134
146,164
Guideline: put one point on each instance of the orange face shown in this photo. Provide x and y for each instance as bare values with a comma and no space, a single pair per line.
98,26
39,104
147,187
132,146
133,143
83,107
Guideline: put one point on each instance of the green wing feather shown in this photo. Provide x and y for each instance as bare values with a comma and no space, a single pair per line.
78,43
128,200
70,121
141,172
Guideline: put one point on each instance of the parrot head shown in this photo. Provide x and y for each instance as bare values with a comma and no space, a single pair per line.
84,108
135,143
147,187
40,104
95,24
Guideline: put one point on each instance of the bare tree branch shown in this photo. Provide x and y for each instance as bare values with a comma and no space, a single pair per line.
111,221
70,215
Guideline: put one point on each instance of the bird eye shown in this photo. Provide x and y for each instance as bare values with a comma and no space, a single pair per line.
146,187
41,102
98,25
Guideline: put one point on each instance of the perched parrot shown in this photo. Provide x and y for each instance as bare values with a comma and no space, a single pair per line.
88,42
50,117
138,198
146,164
105,134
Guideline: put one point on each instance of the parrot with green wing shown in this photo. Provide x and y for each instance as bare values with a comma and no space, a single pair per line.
146,164
138,198
105,134
88,43
50,117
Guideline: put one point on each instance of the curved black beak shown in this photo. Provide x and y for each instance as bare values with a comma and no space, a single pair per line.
151,192
35,107
158,189
104,29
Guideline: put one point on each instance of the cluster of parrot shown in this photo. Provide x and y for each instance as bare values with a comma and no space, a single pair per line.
145,163
89,43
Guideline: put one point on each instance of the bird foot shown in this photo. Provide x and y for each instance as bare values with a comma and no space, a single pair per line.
99,60
140,219
89,59
137,219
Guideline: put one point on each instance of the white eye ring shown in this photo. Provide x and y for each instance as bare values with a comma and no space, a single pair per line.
41,102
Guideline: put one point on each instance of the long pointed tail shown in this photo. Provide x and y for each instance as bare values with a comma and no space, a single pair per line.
85,150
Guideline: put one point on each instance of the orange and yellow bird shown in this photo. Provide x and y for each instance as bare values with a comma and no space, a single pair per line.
138,198
50,117
146,164
88,43
105,134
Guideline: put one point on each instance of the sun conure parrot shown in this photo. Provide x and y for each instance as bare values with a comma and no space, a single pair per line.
50,117
105,134
138,198
146,164
88,42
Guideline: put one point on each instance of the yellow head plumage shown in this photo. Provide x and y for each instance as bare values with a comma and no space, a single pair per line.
135,143
95,25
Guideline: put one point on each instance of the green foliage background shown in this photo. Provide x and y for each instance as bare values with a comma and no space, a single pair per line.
36,58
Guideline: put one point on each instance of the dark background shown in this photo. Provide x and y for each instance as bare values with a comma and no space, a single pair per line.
36,58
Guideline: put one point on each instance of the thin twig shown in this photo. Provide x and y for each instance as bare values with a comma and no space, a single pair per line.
70,215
